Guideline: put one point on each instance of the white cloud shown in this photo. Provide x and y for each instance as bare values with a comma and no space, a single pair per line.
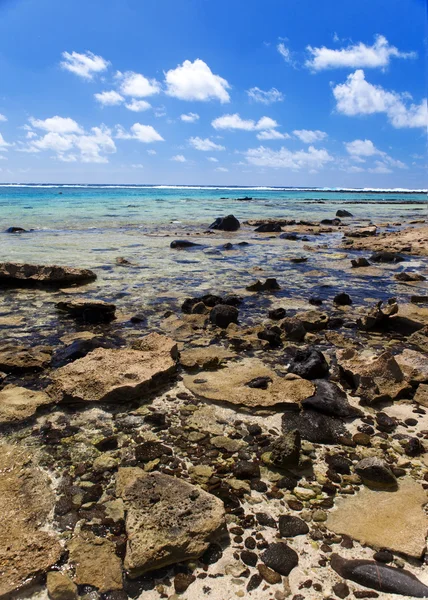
380,167
190,117
356,55
272,134
286,54
206,145
137,166
235,122
265,97
53,141
56,124
312,158
222,169
84,65
151,151
3,144
143,133
30,134
360,150
196,81
359,97
136,85
179,158
212,159
110,98
90,145
310,137
138,105
2,117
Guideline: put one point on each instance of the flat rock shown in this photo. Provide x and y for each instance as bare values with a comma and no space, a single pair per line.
384,519
25,503
167,519
19,403
18,359
313,320
231,385
315,427
414,365
89,311
95,562
123,375
210,357
54,275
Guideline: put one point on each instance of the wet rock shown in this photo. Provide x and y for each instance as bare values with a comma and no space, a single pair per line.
284,451
16,230
60,586
19,403
223,315
384,519
211,357
380,577
315,427
229,223
270,285
313,320
79,349
26,501
95,562
342,299
88,311
180,244
276,314
280,558
343,213
330,400
386,257
378,315
414,365
334,222
272,335
309,364
408,276
360,262
271,227
18,359
290,526
54,275
187,517
375,473
117,375
294,329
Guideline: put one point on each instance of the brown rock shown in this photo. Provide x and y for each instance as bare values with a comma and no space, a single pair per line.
211,357
19,403
19,359
24,274
95,562
60,586
414,365
421,396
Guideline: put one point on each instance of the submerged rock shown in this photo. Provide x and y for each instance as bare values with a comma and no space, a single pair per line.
16,230
89,311
229,223
54,275
343,213
180,244
315,427
386,257
167,519
19,403
270,285
331,400
380,577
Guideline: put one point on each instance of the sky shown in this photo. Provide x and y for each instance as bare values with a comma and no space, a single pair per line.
214,92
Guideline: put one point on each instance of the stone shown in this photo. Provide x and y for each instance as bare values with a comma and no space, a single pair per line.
315,427
180,244
268,574
280,558
343,213
95,562
229,223
26,501
223,315
271,227
331,400
19,403
384,519
414,365
380,577
360,262
386,257
88,311
270,285
342,299
231,386
60,586
211,357
284,451
53,275
309,364
313,320
375,473
408,276
378,315
293,329
167,519
421,396
182,582
123,375
18,359
16,230
276,314
339,464
79,348
221,442
245,469
290,526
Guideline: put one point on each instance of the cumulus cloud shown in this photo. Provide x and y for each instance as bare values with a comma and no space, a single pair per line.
196,81
360,150
355,55
138,105
312,158
84,65
143,133
272,134
56,124
206,145
151,151
265,96
179,158
235,122
308,136
136,85
212,159
110,98
190,118
359,97
2,117
3,144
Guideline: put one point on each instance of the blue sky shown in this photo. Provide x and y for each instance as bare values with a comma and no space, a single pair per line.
272,92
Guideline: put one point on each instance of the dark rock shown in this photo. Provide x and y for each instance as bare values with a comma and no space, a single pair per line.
375,473
378,315
405,276
229,223
330,400
249,558
182,582
88,311
315,301
294,329
281,558
343,213
79,349
315,427
380,577
139,318
265,520
341,589
222,315
232,300
285,450
383,556
288,482
268,228
255,581
271,335
16,230
148,451
254,429
385,422
212,554
386,257
299,259
334,222
270,285
290,526
260,383
180,244
360,262
276,314
293,237
309,364
339,463
25,275
414,447
342,299
244,469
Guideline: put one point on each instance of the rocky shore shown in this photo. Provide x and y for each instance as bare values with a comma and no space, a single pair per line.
240,444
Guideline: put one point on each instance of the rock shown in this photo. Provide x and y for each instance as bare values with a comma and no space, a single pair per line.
124,262
331,400
88,311
281,558
180,244
386,257
284,451
19,403
290,526
95,562
269,575
117,375
384,519
309,364
380,577
244,469
374,378
16,230
294,329
378,315
339,464
54,275
334,222
277,314
270,285
299,259
211,357
342,299
385,422
223,315
414,365
315,427
60,586
26,501
421,396
414,447
268,228
221,442
343,213
362,232
151,450
182,582
272,335
407,276
19,359
360,262
231,385
167,519
229,223
79,348
313,320
375,473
